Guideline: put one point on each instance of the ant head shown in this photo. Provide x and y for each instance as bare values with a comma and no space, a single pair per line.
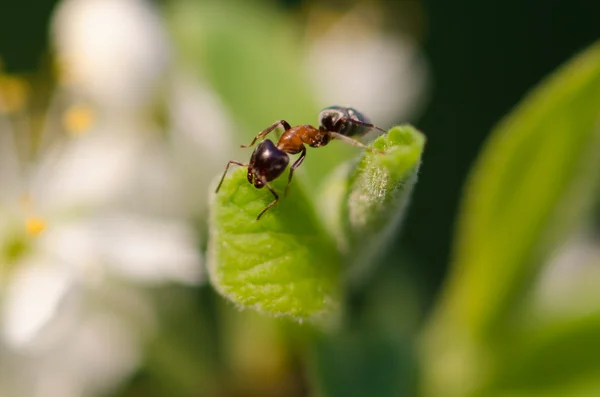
340,119
254,179
330,117
267,163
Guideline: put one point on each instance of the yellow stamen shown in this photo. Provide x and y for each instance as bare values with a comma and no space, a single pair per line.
14,94
78,119
35,226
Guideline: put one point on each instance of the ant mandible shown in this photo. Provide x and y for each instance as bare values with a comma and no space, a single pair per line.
268,161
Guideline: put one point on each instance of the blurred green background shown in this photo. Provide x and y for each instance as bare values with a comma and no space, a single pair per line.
481,58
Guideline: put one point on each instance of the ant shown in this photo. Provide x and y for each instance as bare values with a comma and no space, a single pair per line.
268,161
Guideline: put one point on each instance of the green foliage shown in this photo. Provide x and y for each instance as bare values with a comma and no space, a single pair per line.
551,356
282,264
379,189
287,263
360,364
531,187
363,203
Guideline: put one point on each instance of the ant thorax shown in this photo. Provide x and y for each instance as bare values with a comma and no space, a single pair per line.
293,140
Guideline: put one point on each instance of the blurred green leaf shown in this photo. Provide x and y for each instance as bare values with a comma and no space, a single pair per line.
553,345
550,356
362,364
374,353
364,202
532,183
251,56
283,264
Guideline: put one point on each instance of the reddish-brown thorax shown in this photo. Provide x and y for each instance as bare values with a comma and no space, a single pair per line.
292,141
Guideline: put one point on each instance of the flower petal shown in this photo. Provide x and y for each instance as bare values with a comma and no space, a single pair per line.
150,250
121,163
88,171
115,51
143,249
100,352
32,298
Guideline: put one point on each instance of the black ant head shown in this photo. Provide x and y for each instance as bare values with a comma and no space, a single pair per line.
255,180
340,119
329,118
267,163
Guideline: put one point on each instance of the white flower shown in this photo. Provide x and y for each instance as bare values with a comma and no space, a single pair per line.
353,64
92,353
97,210
114,51
92,206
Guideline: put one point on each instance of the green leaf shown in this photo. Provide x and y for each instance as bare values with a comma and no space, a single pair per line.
286,263
363,203
531,185
283,264
552,347
374,353
361,363
550,356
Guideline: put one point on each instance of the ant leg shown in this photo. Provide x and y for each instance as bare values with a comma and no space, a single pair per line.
286,126
363,124
293,167
346,139
352,142
272,202
227,169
